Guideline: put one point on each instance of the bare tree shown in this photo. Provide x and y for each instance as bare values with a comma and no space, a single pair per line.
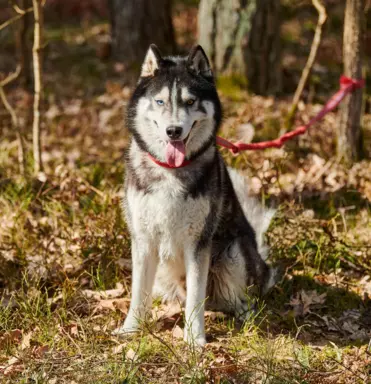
243,37
138,23
349,146
36,51
322,17
21,14
15,121
22,46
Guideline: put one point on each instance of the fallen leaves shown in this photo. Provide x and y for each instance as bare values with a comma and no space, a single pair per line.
121,305
304,300
350,323
164,311
8,338
22,343
108,300
13,365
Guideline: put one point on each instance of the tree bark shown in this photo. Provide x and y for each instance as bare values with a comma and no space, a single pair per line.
349,145
138,23
263,50
242,37
22,46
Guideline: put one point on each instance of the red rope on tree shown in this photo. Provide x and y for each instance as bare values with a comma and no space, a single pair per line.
347,85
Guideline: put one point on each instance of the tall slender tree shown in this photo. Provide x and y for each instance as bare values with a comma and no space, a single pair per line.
37,68
349,144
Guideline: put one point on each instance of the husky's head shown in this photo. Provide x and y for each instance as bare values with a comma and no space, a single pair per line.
175,111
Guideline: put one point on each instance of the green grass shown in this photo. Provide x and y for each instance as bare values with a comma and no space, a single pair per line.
67,235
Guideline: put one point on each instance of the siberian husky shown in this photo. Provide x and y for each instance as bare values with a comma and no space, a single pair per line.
197,237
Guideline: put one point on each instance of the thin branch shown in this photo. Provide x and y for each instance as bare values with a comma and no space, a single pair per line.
11,77
36,50
14,117
322,17
20,10
15,18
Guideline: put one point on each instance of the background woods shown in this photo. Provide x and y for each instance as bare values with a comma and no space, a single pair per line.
65,264
242,37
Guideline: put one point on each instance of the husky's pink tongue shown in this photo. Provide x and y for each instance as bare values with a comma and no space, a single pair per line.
175,153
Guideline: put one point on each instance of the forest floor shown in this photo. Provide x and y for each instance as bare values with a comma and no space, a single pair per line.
65,250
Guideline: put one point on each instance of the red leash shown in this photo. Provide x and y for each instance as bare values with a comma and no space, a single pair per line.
347,85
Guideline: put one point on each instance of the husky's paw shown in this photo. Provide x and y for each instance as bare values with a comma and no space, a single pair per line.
199,341
130,326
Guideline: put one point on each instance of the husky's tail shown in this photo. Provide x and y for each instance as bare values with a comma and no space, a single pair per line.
258,216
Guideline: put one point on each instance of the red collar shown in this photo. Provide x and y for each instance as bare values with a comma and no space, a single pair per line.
166,165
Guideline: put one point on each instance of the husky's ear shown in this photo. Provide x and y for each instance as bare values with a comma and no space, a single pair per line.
199,63
151,62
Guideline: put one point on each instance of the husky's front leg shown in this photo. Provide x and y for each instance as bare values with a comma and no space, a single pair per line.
197,269
145,260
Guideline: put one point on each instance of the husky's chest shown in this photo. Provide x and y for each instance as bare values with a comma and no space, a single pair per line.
167,216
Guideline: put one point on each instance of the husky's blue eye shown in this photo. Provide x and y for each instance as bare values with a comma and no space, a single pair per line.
160,102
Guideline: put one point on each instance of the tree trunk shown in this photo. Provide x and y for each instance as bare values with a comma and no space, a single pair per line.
23,51
242,37
263,50
349,135
138,23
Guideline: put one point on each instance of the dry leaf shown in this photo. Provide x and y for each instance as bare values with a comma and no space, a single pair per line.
166,311
40,351
178,332
74,331
121,305
131,354
26,340
118,349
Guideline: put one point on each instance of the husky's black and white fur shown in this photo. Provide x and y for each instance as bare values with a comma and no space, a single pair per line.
196,235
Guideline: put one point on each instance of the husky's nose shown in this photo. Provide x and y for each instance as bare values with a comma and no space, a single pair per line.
174,132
